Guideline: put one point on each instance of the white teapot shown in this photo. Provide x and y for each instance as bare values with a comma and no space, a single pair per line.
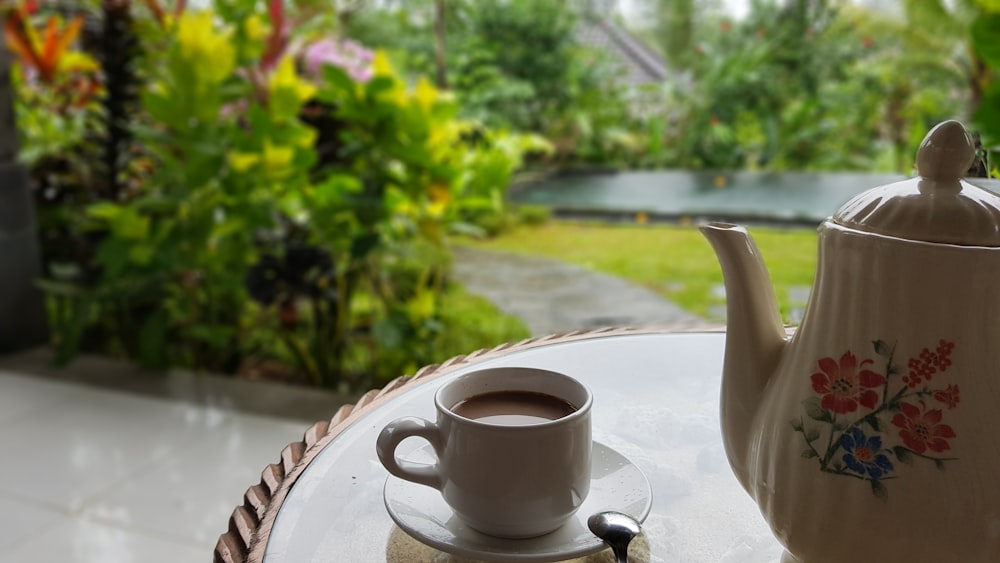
872,434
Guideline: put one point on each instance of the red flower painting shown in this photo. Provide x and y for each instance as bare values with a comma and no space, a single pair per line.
948,396
862,419
921,429
846,384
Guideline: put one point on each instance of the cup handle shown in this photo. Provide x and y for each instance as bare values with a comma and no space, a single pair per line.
397,431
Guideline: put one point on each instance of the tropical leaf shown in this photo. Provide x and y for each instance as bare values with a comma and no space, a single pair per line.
46,53
21,37
933,15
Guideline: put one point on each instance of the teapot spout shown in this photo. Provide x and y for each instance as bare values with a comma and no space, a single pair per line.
755,338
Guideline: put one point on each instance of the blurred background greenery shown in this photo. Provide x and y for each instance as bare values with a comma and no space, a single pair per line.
794,85
272,187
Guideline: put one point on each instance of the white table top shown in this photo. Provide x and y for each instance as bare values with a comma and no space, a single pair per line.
655,401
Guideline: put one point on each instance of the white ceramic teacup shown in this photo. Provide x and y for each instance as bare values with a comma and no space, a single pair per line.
503,479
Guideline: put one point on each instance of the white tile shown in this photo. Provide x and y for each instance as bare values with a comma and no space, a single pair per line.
92,441
21,520
78,540
190,494
20,395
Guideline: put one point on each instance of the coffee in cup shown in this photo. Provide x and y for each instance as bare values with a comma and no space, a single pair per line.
513,448
513,408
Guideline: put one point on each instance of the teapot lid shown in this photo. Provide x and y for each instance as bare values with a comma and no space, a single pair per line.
936,206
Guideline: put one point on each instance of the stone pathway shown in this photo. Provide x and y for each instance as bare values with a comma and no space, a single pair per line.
552,297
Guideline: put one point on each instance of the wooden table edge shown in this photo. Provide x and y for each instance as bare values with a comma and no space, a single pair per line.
251,522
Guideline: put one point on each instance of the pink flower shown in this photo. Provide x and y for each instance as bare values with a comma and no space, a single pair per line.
845,384
948,396
921,429
924,367
349,55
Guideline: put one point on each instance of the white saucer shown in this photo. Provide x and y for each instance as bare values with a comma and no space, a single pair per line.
617,484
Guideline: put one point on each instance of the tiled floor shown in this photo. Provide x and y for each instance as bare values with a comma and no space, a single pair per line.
95,475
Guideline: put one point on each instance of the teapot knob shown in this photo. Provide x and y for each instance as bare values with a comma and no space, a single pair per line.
946,153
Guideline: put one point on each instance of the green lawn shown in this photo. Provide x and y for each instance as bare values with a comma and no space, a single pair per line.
675,261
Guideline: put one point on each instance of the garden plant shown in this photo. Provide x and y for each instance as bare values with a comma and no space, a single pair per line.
273,185
224,189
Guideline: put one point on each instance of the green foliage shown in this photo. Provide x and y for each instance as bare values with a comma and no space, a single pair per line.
314,212
808,84
603,125
767,90
675,22
44,131
487,168
482,325
804,85
533,215
488,94
521,66
386,189
517,65
985,40
262,201
407,170
531,44
173,254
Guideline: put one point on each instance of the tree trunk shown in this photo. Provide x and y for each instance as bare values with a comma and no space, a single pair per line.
22,308
439,55
675,27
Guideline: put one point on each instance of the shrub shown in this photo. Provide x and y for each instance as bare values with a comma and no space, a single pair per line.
533,215
260,212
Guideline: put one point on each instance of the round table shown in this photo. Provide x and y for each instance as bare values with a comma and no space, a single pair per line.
656,401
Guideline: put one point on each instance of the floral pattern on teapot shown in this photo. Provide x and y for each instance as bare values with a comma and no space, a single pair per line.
863,424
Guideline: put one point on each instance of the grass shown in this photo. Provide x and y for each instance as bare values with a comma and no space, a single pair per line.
674,261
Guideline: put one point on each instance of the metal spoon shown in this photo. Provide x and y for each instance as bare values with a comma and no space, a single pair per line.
616,529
